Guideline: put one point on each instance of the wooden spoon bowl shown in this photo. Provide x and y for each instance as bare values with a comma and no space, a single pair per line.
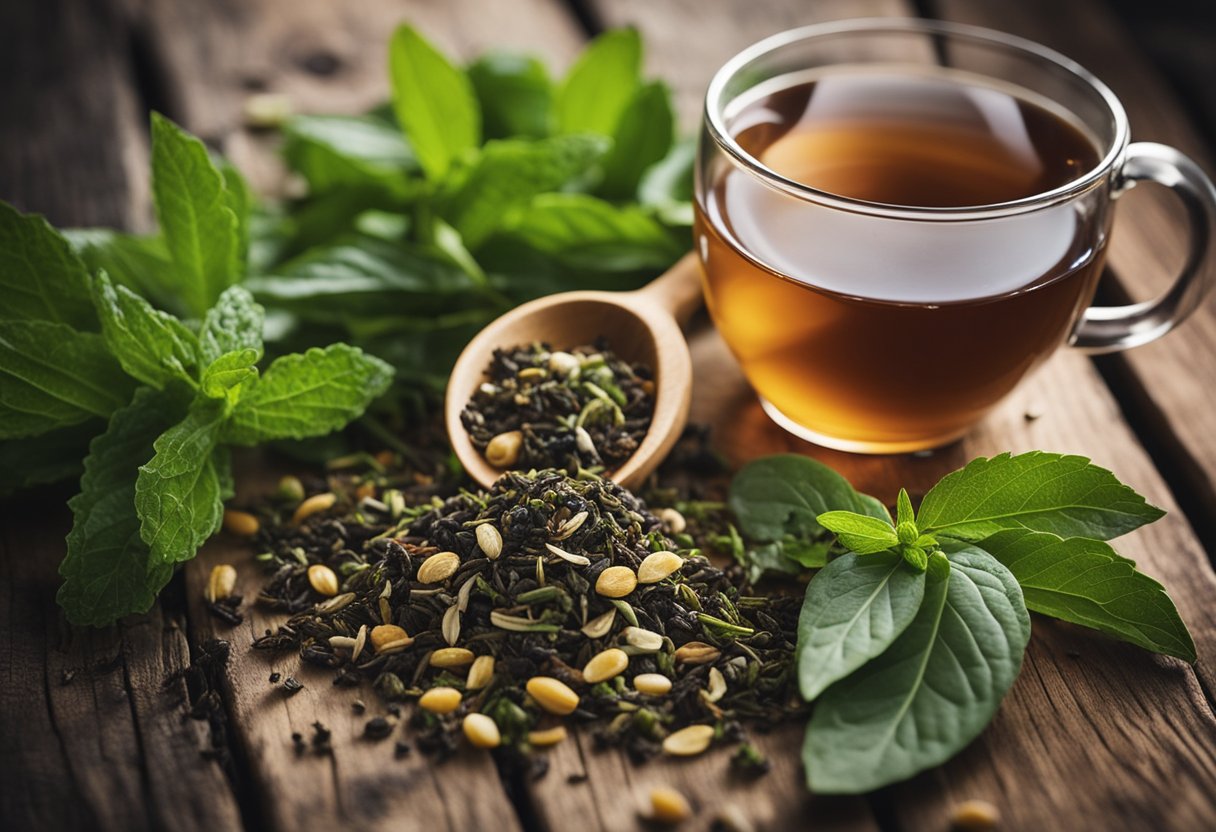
641,326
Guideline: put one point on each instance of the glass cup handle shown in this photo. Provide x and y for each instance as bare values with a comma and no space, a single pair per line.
1103,329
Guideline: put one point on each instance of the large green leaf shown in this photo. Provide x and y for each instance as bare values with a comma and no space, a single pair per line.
859,533
642,138
152,346
141,263
854,608
1046,492
345,151
515,94
599,86
41,278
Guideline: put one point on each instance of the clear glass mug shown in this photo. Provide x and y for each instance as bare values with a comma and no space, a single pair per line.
809,323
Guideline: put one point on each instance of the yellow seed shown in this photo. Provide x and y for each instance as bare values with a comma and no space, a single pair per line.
452,657
605,665
975,816
480,673
440,700
503,450
323,579
689,741
657,566
717,685
240,523
646,641
386,637
599,626
221,583
552,695
481,731
489,541
668,806
697,652
651,684
547,736
438,567
673,522
315,503
616,582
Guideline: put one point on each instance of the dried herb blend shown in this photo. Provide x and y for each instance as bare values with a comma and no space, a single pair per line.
545,599
582,410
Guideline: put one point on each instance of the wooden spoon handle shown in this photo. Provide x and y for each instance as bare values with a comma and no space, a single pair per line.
678,290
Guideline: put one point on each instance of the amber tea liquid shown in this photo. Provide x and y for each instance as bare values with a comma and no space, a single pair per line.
875,333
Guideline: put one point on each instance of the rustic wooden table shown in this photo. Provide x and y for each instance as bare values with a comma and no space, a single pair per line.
1095,734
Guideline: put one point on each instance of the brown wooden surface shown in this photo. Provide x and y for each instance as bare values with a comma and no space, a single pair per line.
1095,734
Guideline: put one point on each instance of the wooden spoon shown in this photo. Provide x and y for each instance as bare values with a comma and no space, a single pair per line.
641,326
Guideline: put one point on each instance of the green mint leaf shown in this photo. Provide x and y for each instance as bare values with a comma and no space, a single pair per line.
599,86
201,230
903,510
583,232
854,609
642,138
52,376
1086,582
152,346
41,277
932,692
859,533
434,102
51,457
239,198
333,152
230,375
177,493
509,173
915,557
141,263
234,323
778,495
107,572
666,187
515,94
308,394
1046,492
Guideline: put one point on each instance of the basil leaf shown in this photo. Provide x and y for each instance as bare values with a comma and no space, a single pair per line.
642,137
41,278
1046,492
434,102
234,323
933,691
508,174
230,375
52,376
903,509
853,610
308,394
1086,582
515,94
788,556
666,187
600,84
860,534
349,151
201,230
107,572
51,457
141,263
177,493
152,346
781,494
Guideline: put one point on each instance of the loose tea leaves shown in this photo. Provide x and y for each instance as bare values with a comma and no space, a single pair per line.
582,410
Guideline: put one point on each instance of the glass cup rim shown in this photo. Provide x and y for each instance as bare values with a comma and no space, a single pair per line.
715,121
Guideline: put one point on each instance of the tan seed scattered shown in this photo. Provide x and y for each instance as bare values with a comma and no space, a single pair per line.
438,567
554,696
462,596
651,684
336,604
975,816
673,522
570,526
489,541
221,582
716,688
503,450
481,731
360,642
547,736
697,652
440,700
577,560
668,806
451,625
342,642
323,579
616,582
647,641
599,626
731,819
388,638
657,566
480,673
452,657
240,523
605,665
689,741
315,503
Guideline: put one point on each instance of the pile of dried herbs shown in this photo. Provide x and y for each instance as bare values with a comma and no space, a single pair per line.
581,410
511,597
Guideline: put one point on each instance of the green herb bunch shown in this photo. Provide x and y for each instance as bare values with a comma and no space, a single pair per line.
156,399
913,630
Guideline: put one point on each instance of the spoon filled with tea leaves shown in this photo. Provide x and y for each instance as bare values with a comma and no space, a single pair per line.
643,328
